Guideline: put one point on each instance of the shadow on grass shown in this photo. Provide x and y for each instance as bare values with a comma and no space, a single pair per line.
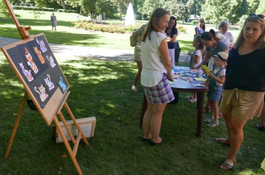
34,22
63,37
102,89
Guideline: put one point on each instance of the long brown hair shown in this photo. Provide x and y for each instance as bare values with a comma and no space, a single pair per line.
157,14
260,43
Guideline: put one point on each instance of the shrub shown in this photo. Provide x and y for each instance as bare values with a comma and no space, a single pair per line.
181,29
33,8
104,28
194,21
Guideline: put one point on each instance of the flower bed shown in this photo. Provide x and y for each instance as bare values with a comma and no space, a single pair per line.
104,27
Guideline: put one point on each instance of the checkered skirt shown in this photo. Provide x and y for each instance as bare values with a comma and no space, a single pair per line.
161,93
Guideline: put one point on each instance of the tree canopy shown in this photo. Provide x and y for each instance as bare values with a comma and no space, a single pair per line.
212,11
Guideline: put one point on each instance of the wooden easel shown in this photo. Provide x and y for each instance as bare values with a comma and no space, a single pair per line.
55,110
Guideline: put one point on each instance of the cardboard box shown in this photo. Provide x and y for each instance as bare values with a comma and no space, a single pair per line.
87,125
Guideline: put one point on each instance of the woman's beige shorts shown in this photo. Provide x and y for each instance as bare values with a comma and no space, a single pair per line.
242,104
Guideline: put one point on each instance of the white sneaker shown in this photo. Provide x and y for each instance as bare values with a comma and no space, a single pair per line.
208,120
213,124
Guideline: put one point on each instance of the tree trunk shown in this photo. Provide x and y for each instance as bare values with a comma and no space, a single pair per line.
62,4
120,16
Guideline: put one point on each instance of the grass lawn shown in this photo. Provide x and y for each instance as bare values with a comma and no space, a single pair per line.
69,36
102,89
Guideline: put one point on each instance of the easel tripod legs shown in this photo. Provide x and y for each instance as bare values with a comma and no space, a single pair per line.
16,124
67,145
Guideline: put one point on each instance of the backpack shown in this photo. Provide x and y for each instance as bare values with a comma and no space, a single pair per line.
134,38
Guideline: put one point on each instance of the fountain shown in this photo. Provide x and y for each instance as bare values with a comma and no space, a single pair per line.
129,18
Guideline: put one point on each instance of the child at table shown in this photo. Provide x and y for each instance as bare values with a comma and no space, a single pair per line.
216,81
195,60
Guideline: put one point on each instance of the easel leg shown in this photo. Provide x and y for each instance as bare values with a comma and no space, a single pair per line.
16,124
67,127
67,145
76,124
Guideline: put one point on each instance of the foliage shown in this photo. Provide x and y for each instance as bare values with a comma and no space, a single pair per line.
104,28
3,8
33,8
147,7
261,7
242,20
253,5
195,22
181,29
37,14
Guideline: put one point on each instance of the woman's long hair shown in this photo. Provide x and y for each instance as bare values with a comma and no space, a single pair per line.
202,21
208,36
260,43
172,18
157,14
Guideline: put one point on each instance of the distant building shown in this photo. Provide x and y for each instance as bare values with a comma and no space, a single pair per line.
194,17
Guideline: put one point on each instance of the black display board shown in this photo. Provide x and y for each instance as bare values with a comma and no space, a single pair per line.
38,70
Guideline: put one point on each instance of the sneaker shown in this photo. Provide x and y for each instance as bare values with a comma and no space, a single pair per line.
213,124
208,120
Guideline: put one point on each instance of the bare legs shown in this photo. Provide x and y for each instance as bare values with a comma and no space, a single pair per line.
152,121
137,75
214,109
235,135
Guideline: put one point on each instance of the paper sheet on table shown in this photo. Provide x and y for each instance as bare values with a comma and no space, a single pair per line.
200,79
206,69
171,82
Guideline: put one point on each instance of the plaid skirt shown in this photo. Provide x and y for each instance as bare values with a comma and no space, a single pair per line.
161,93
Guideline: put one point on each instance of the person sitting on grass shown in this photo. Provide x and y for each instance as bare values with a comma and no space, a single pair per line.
217,79
196,59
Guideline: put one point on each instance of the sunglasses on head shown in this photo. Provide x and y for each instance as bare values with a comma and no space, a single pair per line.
260,16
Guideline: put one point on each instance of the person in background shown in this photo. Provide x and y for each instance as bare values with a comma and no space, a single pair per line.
213,46
217,79
172,33
196,59
155,74
228,37
137,57
54,22
200,29
243,95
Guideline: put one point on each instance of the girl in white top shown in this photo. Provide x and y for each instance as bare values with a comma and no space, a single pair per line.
155,74
195,61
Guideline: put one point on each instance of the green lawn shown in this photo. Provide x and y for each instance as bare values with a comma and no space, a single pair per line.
68,35
102,89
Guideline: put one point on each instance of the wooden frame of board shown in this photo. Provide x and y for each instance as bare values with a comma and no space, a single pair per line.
38,70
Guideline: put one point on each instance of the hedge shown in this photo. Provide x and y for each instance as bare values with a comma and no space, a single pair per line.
33,8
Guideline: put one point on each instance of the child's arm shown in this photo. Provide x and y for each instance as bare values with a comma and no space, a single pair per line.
218,80
195,58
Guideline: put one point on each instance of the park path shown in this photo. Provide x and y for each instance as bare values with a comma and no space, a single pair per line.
79,51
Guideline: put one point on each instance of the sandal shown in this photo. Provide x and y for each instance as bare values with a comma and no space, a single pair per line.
206,109
192,100
222,141
226,166
220,115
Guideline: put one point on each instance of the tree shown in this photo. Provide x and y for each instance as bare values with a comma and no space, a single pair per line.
147,7
253,5
261,7
122,6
